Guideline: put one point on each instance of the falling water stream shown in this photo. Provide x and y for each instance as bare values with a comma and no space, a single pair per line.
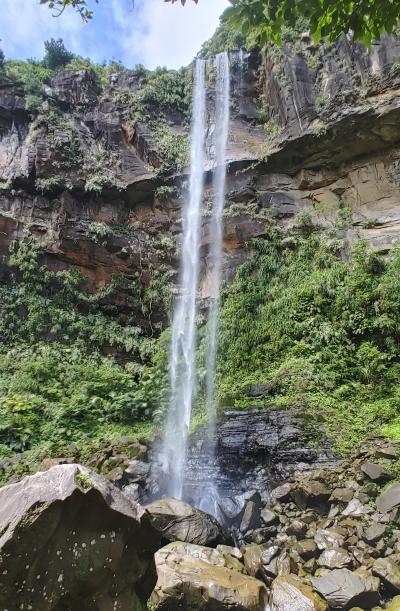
183,344
210,498
172,456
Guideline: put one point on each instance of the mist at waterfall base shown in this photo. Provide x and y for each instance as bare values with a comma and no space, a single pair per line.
170,459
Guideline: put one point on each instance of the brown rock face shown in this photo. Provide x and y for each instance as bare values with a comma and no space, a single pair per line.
71,540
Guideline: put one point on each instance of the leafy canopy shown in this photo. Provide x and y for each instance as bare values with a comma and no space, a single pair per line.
261,21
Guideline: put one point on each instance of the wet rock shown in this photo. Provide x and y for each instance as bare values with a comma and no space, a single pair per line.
288,593
134,492
389,499
389,572
335,559
374,471
343,589
268,517
70,533
137,471
179,521
251,517
185,582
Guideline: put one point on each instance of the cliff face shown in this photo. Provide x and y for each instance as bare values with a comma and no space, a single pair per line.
313,128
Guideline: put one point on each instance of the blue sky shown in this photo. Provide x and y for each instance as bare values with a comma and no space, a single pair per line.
154,33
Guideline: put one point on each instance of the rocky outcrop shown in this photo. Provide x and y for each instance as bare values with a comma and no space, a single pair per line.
71,540
256,450
83,180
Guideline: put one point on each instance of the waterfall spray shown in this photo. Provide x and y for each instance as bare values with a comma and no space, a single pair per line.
209,500
183,343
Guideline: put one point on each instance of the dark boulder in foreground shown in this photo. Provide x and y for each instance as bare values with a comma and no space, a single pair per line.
71,540
179,521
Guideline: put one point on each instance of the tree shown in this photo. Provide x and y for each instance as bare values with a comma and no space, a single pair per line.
56,54
262,21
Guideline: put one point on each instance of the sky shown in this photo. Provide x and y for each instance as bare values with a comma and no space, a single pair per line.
153,33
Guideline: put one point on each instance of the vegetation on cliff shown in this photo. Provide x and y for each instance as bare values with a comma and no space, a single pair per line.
72,370
317,331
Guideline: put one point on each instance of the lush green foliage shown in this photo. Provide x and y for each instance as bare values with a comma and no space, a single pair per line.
261,21
56,56
225,38
321,333
58,379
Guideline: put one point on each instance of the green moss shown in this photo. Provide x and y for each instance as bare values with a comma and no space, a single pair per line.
83,480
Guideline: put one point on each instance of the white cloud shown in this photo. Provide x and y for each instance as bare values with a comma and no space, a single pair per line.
161,34
24,25
154,33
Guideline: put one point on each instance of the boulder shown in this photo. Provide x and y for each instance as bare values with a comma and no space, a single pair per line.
268,517
310,494
288,593
356,508
69,534
389,572
306,548
343,495
137,471
374,471
252,558
206,554
251,517
389,499
335,559
185,582
343,589
373,533
281,493
179,521
328,538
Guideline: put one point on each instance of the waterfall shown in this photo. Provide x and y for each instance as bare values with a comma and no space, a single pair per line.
209,501
183,342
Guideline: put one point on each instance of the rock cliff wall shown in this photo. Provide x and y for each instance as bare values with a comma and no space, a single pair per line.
313,128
